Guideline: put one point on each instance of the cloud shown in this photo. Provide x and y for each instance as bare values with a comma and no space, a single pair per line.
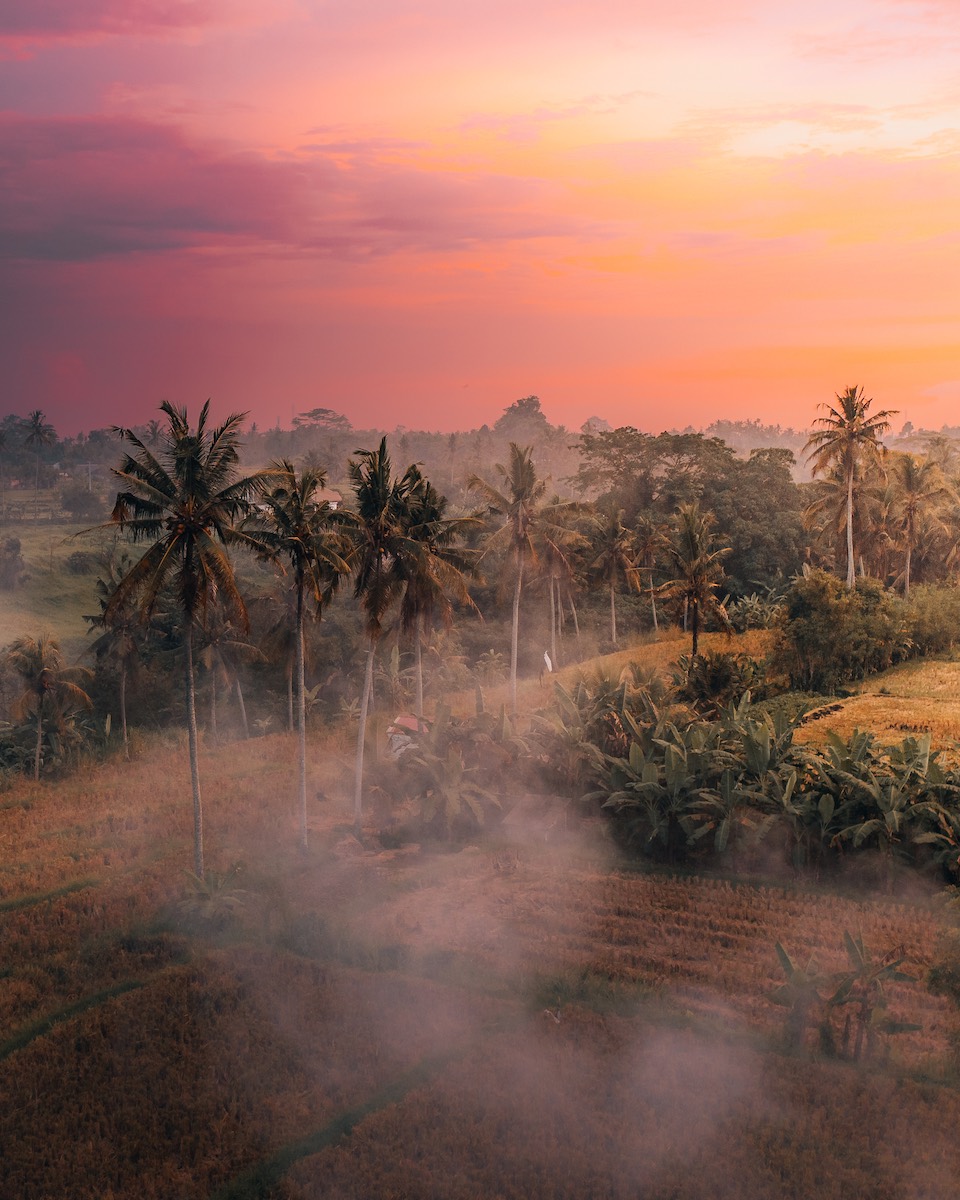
76,189
54,20
81,189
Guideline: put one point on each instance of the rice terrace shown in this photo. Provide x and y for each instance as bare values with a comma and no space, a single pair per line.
435,830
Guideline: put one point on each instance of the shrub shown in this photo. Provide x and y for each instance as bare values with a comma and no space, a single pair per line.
828,634
933,616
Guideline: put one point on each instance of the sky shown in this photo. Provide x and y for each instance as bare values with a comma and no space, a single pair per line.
415,212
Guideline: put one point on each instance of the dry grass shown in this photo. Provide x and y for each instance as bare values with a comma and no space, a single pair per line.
565,1028
658,656
916,697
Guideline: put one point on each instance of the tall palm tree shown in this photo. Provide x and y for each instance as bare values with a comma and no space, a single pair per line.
919,489
697,563
37,433
612,559
434,565
300,530
848,433
378,531
185,501
523,514
50,691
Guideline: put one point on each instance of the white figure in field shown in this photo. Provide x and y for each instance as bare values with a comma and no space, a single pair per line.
547,668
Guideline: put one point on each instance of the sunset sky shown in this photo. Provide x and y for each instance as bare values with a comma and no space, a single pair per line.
416,211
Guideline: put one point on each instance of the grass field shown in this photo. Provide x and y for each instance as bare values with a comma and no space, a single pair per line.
523,1018
917,697
50,599
528,1017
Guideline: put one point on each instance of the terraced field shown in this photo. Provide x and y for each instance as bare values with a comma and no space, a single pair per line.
526,1018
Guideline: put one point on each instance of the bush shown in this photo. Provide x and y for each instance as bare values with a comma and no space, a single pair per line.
828,634
933,616
81,562
713,680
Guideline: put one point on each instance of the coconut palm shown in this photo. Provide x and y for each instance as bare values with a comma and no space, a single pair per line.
919,489
612,557
37,433
697,563
300,531
524,516
434,564
51,690
827,514
120,642
377,529
849,433
185,501
648,541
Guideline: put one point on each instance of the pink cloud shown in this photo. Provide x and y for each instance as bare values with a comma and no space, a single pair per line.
54,20
76,189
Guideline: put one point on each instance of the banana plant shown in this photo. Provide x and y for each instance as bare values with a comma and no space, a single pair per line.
800,994
862,988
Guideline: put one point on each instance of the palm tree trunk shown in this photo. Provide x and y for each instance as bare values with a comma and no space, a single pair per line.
243,710
39,748
301,727
191,697
123,709
213,707
364,706
851,577
906,571
418,665
553,625
695,625
573,613
613,614
290,697
653,607
515,635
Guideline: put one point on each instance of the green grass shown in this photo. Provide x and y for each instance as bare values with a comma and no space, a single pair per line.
50,599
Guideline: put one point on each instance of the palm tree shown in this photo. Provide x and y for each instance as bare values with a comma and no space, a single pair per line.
121,637
523,515
185,501
51,690
612,545
434,565
849,433
301,530
37,433
378,530
696,560
919,488
648,540
222,654
827,515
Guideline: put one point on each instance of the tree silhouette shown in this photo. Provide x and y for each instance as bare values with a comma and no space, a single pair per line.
848,434
185,501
